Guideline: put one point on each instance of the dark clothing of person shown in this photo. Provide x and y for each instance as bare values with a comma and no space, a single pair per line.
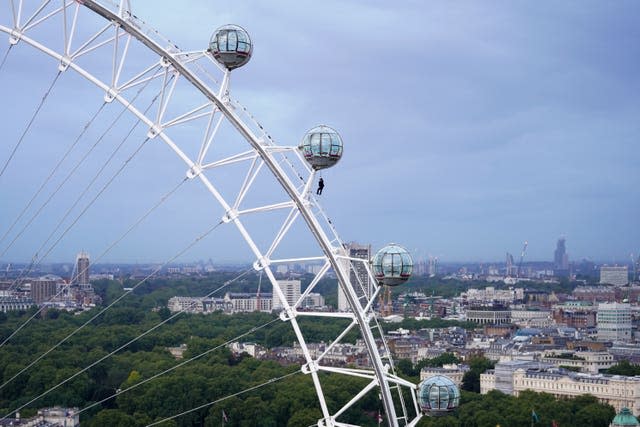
320,186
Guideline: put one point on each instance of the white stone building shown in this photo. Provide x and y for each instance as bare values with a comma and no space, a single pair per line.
618,391
244,302
453,371
587,361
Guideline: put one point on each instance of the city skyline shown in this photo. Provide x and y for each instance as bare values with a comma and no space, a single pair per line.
467,130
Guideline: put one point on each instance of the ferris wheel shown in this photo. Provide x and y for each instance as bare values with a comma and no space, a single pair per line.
263,189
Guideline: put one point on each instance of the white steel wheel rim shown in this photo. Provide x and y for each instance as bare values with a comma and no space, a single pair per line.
173,62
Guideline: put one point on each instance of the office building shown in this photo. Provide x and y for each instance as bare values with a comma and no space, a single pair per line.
613,322
618,276
81,276
43,289
291,291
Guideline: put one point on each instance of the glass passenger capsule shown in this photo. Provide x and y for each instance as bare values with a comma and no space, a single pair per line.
231,46
321,147
392,265
438,395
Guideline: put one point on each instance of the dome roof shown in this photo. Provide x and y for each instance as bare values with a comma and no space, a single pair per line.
624,418
438,395
392,265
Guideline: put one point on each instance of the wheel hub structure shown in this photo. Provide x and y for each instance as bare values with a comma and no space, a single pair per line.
262,188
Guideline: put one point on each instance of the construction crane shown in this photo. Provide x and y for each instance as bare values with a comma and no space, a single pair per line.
524,250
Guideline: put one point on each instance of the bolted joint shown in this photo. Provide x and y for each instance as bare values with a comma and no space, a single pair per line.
164,62
14,37
194,171
309,368
262,262
110,95
286,315
64,63
154,131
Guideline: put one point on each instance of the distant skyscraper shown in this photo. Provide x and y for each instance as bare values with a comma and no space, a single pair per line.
561,258
82,269
358,275
291,291
433,266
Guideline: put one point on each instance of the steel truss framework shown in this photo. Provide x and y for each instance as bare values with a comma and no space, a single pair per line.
113,31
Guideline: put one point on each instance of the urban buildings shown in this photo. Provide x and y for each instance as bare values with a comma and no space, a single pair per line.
44,288
526,318
313,299
613,321
452,371
15,303
575,314
490,315
46,417
245,302
197,305
614,275
516,376
584,361
490,294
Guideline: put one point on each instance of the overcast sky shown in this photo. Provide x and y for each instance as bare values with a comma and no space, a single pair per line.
469,127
